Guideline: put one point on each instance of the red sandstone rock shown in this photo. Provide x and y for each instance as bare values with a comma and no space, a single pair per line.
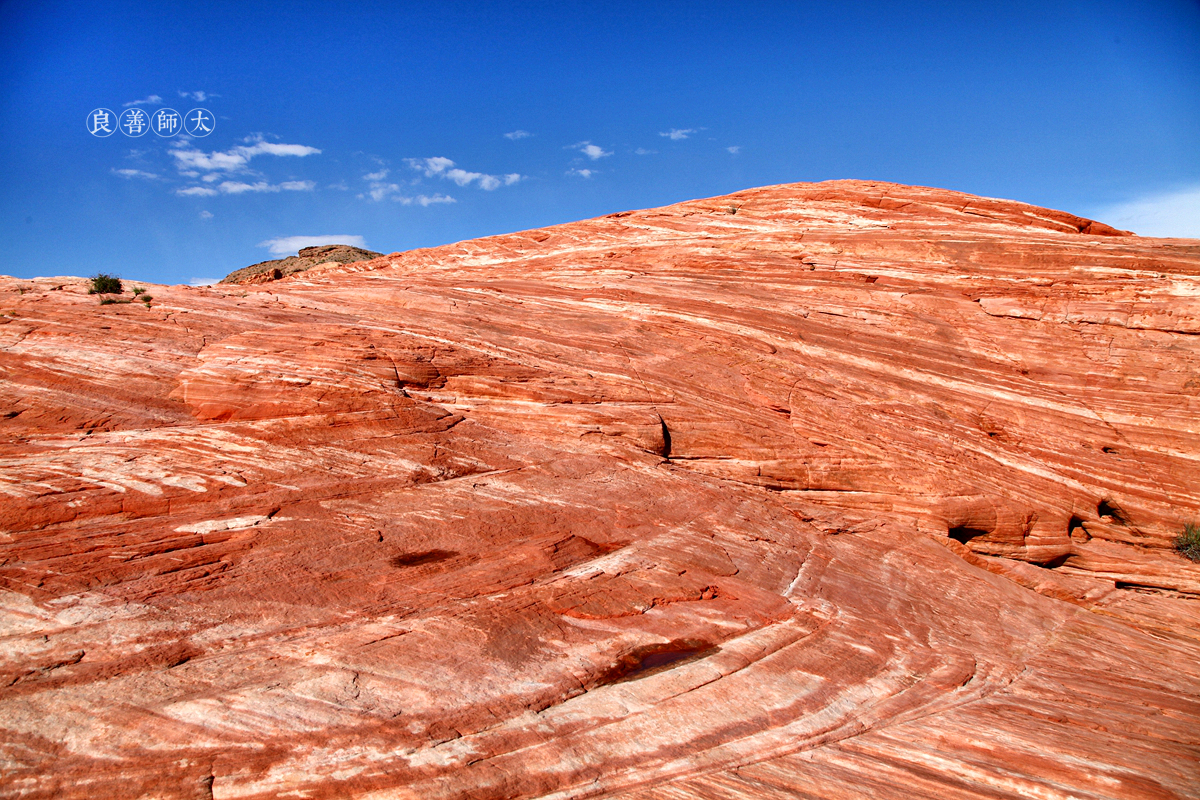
864,490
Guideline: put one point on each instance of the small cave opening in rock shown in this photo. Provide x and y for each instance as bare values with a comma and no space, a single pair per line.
652,659
964,534
1075,530
416,559
1106,508
1057,561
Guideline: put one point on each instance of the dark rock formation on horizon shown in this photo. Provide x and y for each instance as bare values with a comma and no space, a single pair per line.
316,257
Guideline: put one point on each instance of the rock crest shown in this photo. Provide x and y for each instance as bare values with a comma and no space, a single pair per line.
317,257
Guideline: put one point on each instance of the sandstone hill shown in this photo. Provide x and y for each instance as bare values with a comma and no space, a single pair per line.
825,491
319,256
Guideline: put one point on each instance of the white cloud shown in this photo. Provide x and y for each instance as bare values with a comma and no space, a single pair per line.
240,187
259,147
203,281
444,167
463,178
583,173
199,97
429,200
737,148
675,134
380,191
206,215
287,245
152,100
135,173
376,176
641,151
592,151
190,160
517,135
430,166
1167,214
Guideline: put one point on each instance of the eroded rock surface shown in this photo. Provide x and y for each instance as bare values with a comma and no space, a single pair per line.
823,490
316,257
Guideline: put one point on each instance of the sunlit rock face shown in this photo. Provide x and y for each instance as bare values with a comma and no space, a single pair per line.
823,490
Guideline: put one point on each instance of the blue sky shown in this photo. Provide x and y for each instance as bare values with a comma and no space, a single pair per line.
416,124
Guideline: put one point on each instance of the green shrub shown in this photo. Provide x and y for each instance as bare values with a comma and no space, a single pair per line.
146,299
105,284
1187,544
138,290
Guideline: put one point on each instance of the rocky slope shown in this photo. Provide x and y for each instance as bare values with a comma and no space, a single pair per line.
822,490
316,257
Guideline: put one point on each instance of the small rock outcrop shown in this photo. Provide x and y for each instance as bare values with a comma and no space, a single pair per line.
827,490
308,258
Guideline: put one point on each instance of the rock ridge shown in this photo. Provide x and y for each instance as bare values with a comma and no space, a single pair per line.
308,258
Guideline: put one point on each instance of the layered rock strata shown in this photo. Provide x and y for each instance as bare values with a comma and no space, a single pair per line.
820,490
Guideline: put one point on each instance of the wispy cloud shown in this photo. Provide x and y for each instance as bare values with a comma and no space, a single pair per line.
641,151
517,135
436,199
199,97
382,191
287,245
675,134
430,166
191,160
240,187
203,281
735,149
152,100
443,167
135,173
206,215
393,191
1168,214
582,173
376,176
592,151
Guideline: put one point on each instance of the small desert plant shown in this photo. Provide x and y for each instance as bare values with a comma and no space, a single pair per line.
1187,544
146,299
138,290
105,284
